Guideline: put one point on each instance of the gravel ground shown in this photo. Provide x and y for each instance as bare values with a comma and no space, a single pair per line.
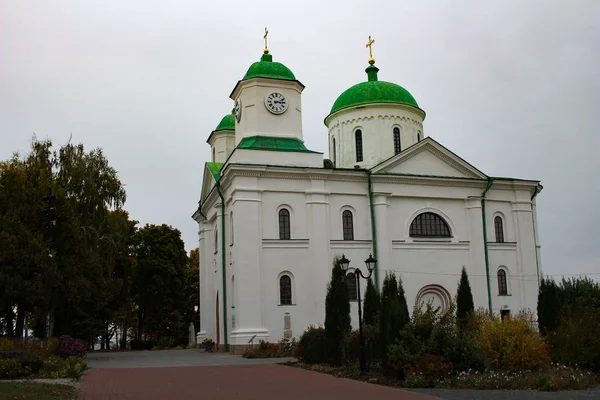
449,394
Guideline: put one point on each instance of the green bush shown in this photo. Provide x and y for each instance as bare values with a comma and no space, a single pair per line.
372,345
263,350
312,346
11,368
576,341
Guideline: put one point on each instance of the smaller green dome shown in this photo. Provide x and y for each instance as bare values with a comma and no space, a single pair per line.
227,123
266,68
373,91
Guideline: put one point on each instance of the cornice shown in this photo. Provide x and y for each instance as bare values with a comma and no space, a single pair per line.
358,120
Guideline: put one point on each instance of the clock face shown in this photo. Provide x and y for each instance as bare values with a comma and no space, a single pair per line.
238,110
276,103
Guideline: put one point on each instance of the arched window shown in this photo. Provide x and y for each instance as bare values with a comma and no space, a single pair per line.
348,225
429,224
419,136
359,145
351,285
502,286
284,224
213,155
231,228
499,229
333,150
216,240
285,290
397,148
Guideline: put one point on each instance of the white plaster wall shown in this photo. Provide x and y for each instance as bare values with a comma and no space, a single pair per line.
376,123
268,157
257,120
222,143
258,257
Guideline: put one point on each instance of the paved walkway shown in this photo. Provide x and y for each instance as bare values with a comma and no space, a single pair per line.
193,374
170,358
243,382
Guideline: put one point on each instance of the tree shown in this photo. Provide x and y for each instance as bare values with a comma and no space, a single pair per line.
549,306
391,318
337,314
404,315
160,284
372,304
192,274
464,300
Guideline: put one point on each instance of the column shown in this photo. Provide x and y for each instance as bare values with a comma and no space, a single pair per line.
249,318
384,241
317,201
476,267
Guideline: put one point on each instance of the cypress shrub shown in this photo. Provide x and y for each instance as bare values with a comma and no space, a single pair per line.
464,300
390,321
549,306
337,314
404,316
372,305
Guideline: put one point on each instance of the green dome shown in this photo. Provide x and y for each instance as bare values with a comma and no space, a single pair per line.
373,91
266,68
227,123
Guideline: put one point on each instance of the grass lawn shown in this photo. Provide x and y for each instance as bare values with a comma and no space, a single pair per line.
37,391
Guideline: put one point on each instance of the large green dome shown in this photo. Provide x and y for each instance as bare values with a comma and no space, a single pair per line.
373,91
266,68
227,123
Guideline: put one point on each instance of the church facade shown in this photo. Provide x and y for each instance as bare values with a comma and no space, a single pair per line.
273,214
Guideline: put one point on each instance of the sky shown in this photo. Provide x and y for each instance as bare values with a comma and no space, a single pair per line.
511,86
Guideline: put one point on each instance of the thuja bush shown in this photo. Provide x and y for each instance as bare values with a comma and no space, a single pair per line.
372,346
511,344
312,346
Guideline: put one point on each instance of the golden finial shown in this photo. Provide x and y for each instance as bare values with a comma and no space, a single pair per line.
370,46
266,50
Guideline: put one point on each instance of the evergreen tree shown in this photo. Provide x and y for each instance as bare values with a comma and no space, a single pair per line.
372,304
464,300
337,314
390,320
549,306
404,316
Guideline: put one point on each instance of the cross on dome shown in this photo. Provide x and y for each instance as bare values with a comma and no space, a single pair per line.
370,46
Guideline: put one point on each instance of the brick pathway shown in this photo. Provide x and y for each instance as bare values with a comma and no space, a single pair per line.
247,382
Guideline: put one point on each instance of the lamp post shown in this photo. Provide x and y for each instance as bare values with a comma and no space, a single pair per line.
370,262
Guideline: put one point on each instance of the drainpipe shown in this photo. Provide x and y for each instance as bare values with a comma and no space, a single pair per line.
225,342
485,241
373,226
536,191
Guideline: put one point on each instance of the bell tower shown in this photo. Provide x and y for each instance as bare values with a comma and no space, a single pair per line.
268,101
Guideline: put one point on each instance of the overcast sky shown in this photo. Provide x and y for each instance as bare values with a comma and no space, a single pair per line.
511,86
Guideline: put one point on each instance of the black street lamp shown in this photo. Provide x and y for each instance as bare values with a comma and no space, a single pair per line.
370,262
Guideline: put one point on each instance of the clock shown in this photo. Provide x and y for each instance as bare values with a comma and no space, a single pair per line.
238,110
276,103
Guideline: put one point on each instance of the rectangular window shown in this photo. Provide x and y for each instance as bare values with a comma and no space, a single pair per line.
359,145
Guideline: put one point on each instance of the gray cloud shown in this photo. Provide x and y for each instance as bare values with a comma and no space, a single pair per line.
512,87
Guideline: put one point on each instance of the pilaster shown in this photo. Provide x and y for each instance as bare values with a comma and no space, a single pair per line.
476,265
381,203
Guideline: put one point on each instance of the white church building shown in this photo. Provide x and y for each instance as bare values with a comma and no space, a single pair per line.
273,214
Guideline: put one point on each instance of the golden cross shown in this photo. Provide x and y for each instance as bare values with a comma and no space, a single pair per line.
370,46
265,37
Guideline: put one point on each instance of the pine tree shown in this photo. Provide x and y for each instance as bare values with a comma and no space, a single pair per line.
391,313
372,304
464,299
337,314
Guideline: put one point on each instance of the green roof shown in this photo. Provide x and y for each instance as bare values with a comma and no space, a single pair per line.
227,123
272,143
215,169
373,91
266,68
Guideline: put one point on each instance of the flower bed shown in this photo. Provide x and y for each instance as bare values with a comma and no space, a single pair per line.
52,358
